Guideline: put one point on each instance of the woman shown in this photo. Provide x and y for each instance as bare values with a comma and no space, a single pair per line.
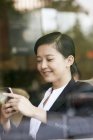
59,115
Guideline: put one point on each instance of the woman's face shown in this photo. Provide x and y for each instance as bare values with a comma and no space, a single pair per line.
51,63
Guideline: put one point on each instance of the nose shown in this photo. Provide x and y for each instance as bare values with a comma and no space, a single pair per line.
44,64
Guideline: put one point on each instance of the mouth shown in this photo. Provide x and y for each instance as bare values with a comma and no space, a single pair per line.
46,73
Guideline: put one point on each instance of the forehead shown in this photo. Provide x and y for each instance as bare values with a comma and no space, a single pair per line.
47,49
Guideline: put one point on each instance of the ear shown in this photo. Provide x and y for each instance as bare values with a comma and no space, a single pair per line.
70,60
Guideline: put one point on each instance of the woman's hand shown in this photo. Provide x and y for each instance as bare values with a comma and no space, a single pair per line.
20,103
23,105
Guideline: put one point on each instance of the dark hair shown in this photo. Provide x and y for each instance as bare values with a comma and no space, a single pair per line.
63,43
76,71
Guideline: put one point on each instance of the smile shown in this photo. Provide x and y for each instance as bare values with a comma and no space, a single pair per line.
46,73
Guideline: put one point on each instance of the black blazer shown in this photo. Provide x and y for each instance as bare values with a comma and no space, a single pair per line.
71,116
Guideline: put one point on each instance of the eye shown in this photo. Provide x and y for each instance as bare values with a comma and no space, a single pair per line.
50,59
39,60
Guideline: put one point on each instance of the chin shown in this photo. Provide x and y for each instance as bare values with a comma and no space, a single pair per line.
48,80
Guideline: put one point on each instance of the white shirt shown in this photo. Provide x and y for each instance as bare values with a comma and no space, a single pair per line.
34,123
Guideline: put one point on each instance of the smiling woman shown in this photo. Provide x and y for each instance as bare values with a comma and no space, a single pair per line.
60,117
48,59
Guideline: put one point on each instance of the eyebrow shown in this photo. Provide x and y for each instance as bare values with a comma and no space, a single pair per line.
46,55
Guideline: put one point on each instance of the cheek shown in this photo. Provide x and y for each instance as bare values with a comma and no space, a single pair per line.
61,65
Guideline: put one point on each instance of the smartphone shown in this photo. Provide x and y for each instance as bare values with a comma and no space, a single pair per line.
3,98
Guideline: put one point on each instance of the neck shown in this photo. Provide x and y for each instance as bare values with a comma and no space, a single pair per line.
61,82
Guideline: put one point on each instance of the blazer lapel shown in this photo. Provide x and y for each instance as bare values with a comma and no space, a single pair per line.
62,98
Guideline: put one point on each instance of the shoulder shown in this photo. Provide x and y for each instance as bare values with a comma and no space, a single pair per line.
83,86
79,86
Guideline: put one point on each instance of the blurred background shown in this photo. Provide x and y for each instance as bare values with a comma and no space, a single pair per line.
22,22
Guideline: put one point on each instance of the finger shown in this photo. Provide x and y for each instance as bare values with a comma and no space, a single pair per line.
9,113
7,105
9,110
13,101
11,95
